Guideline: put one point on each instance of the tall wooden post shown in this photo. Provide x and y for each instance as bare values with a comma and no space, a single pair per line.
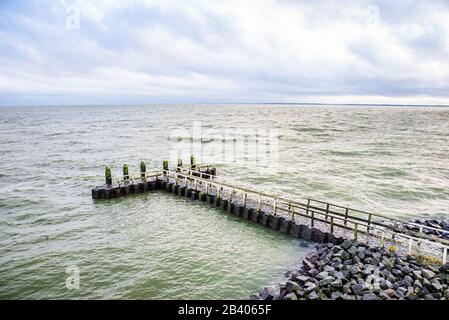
125,172
192,162
108,175
143,170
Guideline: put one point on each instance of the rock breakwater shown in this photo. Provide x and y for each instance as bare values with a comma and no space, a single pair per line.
356,271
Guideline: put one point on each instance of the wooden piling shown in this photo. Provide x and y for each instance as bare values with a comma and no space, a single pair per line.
143,169
108,175
125,172
192,162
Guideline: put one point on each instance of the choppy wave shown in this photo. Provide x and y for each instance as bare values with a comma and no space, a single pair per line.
385,160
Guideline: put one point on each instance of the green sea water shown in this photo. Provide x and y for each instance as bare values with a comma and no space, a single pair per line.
391,160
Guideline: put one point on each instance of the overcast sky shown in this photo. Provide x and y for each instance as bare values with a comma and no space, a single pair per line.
143,52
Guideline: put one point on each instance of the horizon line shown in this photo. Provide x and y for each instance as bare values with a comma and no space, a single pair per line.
224,103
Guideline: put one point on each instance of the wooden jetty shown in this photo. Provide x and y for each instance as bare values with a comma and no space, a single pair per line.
309,219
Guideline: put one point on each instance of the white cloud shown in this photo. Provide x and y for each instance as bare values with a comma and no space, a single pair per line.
175,51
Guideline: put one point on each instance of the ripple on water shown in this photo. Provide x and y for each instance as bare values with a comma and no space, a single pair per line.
156,246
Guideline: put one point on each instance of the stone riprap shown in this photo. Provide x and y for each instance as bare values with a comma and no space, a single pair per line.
355,271
432,223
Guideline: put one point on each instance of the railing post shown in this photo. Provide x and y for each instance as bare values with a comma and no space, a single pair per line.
410,246
382,239
368,229
312,224
108,175
125,172
292,210
346,216
244,199
259,203
207,187
356,231
332,225
231,193
327,210
196,185
308,205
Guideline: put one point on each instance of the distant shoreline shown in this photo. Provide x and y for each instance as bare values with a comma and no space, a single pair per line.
233,103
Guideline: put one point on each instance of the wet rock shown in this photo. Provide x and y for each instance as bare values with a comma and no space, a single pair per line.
313,272
428,274
337,284
355,271
389,292
410,294
301,279
446,294
311,287
292,286
322,275
437,285
267,293
369,296
401,291
326,281
313,295
335,295
291,296
356,288
255,296
346,244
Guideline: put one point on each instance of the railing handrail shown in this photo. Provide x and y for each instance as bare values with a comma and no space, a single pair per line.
138,176
371,226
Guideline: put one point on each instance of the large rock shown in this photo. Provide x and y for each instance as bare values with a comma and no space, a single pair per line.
322,275
436,285
335,295
356,288
313,295
267,293
326,281
290,296
301,279
337,284
306,233
310,288
292,286
391,293
428,274
369,296
346,244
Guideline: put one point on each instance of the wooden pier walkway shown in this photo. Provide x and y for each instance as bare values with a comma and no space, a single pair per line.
308,219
